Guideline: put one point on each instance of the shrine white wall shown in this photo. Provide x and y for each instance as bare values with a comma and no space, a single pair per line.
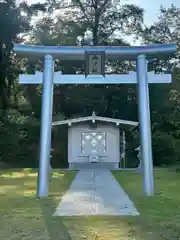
112,154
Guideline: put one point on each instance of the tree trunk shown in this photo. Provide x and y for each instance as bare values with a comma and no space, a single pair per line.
96,24
3,92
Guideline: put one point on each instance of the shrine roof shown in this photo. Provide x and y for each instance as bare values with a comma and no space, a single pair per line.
95,118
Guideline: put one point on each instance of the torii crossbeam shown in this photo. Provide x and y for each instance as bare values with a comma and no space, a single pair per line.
140,54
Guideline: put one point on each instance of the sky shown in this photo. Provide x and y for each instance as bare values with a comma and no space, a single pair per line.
151,7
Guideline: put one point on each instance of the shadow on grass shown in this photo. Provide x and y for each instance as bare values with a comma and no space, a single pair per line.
33,217
55,225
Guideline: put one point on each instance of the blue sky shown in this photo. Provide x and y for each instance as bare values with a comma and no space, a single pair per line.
151,6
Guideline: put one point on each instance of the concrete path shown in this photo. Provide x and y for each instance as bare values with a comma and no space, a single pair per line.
95,192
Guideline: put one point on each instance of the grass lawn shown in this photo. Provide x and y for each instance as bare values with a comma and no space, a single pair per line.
23,217
159,215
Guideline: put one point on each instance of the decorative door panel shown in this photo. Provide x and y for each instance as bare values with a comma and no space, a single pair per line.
93,143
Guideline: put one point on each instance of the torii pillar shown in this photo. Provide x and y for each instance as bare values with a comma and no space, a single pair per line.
46,123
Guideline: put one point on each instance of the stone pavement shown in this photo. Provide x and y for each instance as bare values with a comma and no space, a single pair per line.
95,192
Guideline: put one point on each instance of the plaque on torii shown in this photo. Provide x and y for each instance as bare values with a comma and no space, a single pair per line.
94,63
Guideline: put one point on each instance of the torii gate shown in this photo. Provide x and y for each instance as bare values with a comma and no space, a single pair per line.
140,54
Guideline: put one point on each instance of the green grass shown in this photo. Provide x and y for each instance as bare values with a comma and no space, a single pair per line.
160,214
23,217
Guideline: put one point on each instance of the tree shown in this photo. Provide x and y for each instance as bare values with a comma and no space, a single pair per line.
103,20
9,13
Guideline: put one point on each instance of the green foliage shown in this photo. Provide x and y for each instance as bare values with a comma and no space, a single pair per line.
165,149
20,137
9,13
60,146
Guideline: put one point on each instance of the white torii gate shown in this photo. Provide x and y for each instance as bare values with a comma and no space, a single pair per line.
49,78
